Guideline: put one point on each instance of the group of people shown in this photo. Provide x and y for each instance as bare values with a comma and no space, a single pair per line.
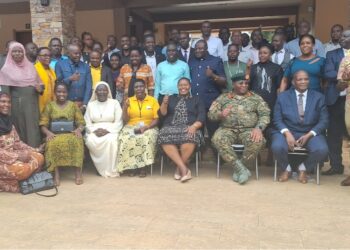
126,104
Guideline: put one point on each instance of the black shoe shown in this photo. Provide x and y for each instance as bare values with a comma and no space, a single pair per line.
333,171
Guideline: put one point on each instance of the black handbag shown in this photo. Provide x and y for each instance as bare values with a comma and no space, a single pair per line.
38,182
59,127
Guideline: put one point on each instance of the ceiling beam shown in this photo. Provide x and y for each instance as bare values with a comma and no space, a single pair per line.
221,14
160,3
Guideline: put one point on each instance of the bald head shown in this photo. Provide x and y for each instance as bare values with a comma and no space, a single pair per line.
74,52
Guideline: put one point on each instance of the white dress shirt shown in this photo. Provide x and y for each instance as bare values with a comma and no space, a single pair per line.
255,54
225,49
280,56
215,46
245,55
331,46
152,62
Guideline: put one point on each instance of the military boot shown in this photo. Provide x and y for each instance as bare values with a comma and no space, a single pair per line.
241,173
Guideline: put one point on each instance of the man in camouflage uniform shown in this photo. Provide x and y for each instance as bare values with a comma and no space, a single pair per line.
243,116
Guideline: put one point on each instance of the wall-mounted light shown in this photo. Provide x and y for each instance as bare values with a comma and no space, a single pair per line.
45,2
130,19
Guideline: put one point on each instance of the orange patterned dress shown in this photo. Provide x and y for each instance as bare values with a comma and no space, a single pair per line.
12,170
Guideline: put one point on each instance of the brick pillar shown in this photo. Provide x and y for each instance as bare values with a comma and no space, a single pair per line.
55,20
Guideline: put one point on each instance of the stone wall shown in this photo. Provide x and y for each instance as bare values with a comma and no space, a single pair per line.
55,20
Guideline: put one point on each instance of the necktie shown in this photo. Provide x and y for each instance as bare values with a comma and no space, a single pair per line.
185,55
275,59
301,107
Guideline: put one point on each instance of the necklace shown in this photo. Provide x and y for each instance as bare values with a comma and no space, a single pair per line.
238,70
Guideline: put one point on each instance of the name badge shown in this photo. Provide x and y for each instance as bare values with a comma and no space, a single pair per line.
148,107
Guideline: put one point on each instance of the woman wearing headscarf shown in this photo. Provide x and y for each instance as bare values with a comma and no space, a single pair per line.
17,160
103,119
25,85
47,76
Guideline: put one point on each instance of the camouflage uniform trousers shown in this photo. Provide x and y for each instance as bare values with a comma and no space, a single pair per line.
225,137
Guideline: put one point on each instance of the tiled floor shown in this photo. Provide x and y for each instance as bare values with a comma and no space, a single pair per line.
161,213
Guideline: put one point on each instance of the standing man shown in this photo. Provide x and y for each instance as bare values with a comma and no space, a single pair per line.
300,118
336,33
257,40
335,100
125,50
76,75
243,115
214,44
169,73
293,46
111,48
208,78
224,35
245,41
31,52
186,51
55,46
174,36
233,67
150,56
100,72
281,56
244,54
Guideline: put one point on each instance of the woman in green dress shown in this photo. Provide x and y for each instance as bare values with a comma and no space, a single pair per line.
63,149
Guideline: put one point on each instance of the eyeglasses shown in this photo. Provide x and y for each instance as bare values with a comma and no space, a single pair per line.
45,55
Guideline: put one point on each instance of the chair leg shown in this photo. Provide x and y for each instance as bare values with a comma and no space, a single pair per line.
197,162
218,167
318,174
256,168
161,165
275,172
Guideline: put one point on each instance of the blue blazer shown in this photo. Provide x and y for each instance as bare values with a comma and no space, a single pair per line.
333,59
286,113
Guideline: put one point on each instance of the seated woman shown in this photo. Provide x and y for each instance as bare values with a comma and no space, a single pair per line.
18,161
103,119
63,149
137,141
183,117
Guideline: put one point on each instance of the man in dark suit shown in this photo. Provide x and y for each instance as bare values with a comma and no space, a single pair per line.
186,51
100,72
300,119
151,57
335,99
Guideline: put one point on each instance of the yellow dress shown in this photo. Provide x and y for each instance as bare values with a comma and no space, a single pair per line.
65,150
48,77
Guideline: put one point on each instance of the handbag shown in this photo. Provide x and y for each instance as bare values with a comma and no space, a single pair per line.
38,182
58,127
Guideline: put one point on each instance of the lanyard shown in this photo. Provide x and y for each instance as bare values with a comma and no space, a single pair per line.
140,106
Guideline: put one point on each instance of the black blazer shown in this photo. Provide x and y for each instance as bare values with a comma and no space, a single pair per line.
181,57
159,57
106,76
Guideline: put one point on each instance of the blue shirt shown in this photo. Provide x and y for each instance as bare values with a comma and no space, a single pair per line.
54,61
314,67
167,76
201,85
294,48
77,90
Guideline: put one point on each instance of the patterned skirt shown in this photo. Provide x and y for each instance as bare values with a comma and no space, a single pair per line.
65,150
18,171
136,150
177,135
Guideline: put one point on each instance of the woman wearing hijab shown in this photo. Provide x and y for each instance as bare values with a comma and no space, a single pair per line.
17,160
103,119
25,85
